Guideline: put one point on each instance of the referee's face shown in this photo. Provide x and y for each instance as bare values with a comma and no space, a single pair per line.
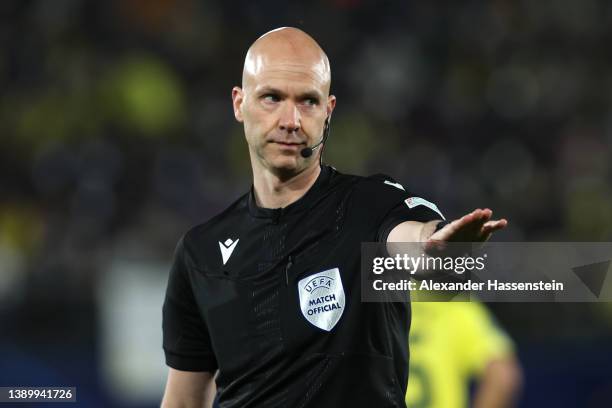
284,103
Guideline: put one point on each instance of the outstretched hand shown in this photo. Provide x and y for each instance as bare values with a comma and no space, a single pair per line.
476,226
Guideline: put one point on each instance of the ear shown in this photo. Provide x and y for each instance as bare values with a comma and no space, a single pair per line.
331,104
237,99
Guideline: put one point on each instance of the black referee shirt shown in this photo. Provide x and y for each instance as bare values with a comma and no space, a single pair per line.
271,298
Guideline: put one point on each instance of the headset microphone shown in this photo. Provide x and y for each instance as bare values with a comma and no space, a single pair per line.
307,151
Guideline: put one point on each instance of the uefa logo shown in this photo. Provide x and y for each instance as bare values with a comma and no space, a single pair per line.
322,298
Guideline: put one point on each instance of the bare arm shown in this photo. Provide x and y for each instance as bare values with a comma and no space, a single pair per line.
188,389
476,226
500,384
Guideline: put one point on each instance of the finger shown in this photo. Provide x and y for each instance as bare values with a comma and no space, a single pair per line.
490,227
455,225
480,217
476,228
451,229
487,213
472,221
470,224
482,214
496,225
471,217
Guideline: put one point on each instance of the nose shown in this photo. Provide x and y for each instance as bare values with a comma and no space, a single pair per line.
290,118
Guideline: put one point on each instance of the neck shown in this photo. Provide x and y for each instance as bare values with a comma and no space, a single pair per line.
273,190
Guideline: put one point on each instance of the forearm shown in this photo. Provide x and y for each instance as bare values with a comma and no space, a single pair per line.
413,231
189,390
180,401
409,238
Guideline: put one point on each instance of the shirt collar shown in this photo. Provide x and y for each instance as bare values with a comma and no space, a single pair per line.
300,204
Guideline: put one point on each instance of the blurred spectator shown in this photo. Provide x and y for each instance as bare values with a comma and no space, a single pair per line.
453,344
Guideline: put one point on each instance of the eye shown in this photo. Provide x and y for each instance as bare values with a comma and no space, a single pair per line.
270,98
311,101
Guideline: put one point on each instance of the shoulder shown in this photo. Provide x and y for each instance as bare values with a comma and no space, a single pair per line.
369,200
377,192
232,215
384,203
380,184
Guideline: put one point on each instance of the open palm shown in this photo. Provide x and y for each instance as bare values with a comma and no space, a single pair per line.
476,226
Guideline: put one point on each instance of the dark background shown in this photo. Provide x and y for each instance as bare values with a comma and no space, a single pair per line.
117,134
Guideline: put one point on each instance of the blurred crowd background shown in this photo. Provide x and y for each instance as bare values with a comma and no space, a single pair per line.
117,135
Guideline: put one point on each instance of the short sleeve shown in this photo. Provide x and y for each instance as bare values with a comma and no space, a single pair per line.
380,203
403,213
186,341
409,207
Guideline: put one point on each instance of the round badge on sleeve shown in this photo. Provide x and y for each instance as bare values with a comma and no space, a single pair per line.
322,298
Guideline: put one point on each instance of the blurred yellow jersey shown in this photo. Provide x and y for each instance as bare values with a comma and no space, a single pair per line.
450,344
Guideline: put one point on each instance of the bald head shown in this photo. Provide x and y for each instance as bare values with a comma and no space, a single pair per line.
287,50
284,101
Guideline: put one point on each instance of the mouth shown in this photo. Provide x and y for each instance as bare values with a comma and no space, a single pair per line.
288,145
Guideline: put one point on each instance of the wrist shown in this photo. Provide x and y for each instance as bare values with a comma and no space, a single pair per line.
428,229
440,225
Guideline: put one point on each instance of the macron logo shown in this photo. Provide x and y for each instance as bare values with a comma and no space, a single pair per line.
396,185
227,248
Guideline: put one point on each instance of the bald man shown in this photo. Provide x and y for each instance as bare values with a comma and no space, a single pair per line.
264,298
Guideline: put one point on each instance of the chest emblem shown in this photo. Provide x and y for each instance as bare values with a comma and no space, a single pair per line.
322,298
227,248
